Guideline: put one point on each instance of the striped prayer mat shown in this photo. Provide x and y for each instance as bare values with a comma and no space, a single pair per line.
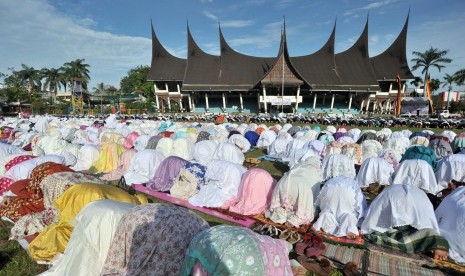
377,263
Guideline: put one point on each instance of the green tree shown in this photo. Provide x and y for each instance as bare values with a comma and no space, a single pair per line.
77,70
460,76
31,77
136,80
53,80
448,81
432,57
434,84
100,88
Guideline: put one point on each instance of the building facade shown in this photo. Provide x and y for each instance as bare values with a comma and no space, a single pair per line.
321,82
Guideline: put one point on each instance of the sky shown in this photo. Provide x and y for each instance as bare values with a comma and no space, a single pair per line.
114,36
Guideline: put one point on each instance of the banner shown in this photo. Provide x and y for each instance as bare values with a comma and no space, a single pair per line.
281,101
411,105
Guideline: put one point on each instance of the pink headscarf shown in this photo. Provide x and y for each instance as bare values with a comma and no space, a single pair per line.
130,139
254,194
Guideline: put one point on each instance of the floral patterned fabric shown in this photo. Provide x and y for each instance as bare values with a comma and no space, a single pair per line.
5,184
53,186
29,197
230,250
152,240
17,160
187,183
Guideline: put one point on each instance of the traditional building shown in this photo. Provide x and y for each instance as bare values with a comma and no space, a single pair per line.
321,82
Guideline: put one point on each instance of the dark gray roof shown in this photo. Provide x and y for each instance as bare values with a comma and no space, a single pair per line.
393,61
164,66
352,69
318,69
239,71
202,70
353,65
282,66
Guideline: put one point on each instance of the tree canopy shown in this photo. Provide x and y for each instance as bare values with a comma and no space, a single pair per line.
432,57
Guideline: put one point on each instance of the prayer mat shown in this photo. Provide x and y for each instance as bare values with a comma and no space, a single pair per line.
242,220
409,239
450,267
271,159
377,263
358,242
262,219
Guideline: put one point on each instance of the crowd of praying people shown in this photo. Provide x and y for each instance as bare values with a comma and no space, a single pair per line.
395,189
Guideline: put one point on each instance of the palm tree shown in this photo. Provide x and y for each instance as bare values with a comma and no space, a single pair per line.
460,76
29,76
448,81
100,88
432,57
75,70
53,78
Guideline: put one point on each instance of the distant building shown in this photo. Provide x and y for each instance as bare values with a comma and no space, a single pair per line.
321,82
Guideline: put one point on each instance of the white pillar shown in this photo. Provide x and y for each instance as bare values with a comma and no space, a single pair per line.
390,87
224,103
240,100
193,105
179,89
388,106
368,104
189,99
361,105
180,103
332,103
297,99
350,102
169,103
264,99
156,97
166,87
206,102
314,102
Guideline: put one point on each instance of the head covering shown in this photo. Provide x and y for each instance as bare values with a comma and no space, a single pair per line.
400,205
190,177
222,181
166,173
141,142
130,139
155,229
204,151
165,146
216,249
294,195
342,206
229,152
337,165
418,173
124,163
252,137
254,195
143,166
70,159
420,152
153,142
374,170
451,220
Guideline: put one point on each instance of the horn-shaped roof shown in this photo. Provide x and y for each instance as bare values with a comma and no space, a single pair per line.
283,70
393,61
202,70
164,66
318,69
353,65
239,71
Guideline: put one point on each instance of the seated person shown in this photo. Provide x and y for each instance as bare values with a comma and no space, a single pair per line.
402,217
342,206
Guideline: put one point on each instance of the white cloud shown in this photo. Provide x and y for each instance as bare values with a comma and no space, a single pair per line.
210,15
236,23
49,38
